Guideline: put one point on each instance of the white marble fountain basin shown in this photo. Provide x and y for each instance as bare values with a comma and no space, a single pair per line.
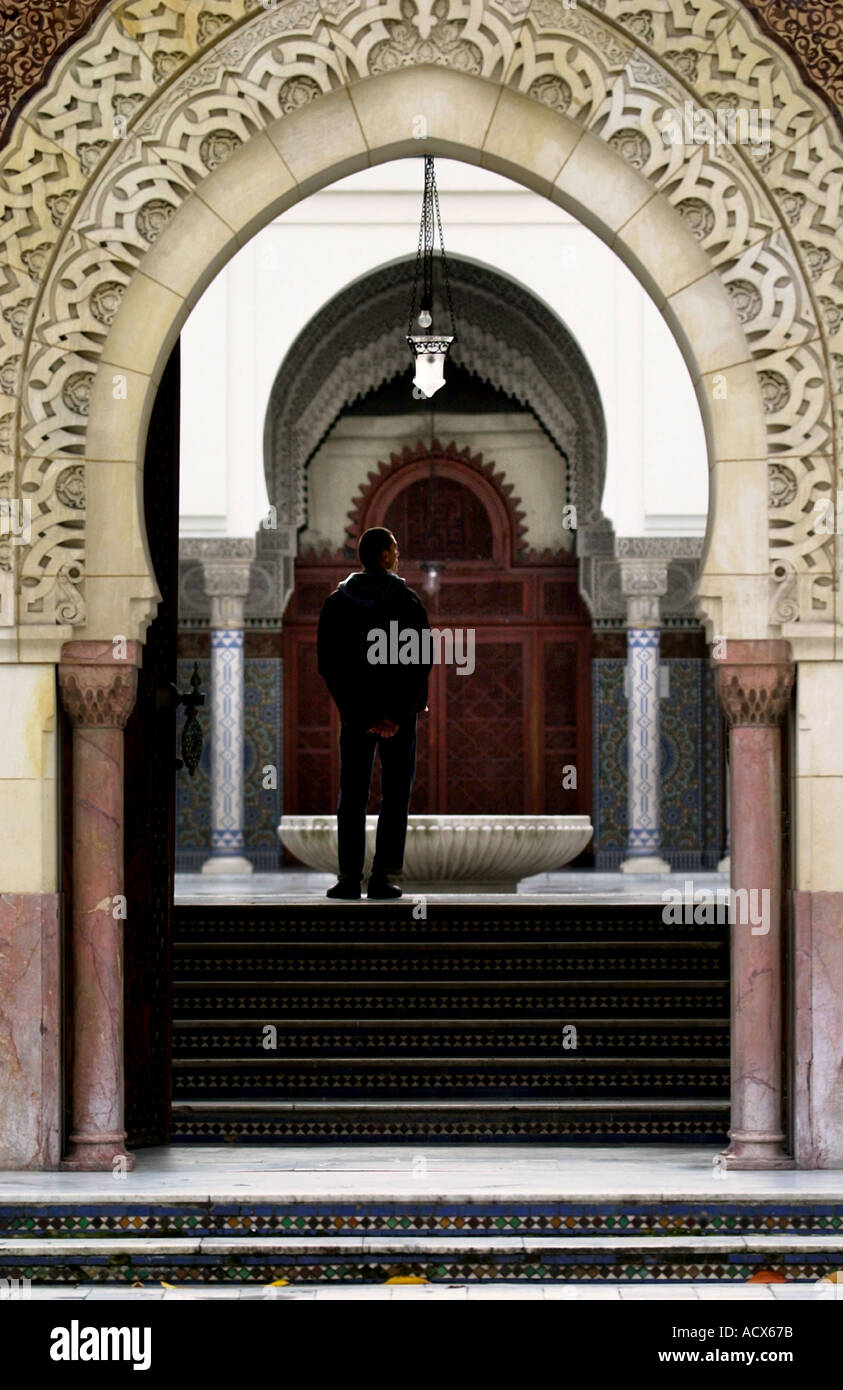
454,853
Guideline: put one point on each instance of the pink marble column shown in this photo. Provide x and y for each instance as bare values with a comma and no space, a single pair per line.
754,682
98,689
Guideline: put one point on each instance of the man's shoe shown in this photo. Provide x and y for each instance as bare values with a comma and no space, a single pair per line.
345,887
380,887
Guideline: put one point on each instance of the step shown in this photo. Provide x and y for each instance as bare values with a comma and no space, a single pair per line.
666,1040
356,967
420,1077
609,998
648,1119
446,1257
256,1201
315,921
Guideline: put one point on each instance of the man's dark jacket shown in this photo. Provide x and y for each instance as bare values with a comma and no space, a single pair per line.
365,693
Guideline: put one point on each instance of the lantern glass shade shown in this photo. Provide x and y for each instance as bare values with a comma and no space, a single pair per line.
430,354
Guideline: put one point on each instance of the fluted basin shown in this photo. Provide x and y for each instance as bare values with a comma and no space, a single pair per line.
454,853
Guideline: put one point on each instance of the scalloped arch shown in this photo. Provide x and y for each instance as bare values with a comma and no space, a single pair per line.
392,475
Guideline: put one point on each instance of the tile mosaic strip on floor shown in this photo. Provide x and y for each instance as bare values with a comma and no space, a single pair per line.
25,1219
377,1258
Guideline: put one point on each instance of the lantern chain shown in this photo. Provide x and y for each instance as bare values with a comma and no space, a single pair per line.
431,221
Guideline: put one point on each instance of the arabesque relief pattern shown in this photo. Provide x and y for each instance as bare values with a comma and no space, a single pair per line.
159,92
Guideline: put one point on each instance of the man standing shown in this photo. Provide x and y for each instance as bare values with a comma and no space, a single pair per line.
378,704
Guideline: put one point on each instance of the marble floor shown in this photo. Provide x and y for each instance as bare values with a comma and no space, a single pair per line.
581,887
221,1174
583,1292
530,1171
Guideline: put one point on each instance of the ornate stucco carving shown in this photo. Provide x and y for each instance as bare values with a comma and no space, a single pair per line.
86,203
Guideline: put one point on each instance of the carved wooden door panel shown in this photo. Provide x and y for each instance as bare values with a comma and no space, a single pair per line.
481,730
310,730
563,710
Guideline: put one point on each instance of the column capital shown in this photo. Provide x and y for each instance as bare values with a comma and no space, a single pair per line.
227,578
643,583
754,681
227,571
98,687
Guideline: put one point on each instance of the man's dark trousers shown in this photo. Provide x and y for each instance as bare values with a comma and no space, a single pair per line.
398,768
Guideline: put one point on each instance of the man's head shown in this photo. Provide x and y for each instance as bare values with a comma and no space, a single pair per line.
377,549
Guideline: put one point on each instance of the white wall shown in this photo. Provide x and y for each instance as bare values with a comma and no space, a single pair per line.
237,336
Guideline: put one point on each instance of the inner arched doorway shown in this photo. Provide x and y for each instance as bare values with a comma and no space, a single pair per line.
515,738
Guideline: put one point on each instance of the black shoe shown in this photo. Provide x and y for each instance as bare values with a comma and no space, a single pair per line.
345,887
380,887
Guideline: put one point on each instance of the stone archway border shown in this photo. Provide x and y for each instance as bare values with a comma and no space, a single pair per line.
111,240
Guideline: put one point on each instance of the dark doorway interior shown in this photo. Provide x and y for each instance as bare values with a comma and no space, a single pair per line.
150,796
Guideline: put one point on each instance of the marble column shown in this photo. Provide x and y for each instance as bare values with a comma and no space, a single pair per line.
754,682
98,683
643,582
227,585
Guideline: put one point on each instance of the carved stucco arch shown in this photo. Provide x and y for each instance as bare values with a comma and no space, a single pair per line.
231,113
506,336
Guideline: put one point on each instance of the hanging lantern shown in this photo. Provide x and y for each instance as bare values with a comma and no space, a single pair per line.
429,348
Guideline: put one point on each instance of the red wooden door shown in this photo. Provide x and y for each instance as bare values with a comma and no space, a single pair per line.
514,736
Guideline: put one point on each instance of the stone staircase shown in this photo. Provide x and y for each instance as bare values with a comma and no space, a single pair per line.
254,1239
505,1022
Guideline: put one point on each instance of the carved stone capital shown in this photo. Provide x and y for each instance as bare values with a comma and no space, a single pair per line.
643,583
226,578
99,688
227,571
754,681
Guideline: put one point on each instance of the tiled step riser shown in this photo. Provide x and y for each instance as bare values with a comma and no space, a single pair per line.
300,964
446,924
404,1128
352,1080
373,1271
611,1003
311,1041
727,1219
338,1266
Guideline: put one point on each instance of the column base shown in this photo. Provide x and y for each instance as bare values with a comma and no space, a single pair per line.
749,1152
725,865
227,864
98,1154
645,864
